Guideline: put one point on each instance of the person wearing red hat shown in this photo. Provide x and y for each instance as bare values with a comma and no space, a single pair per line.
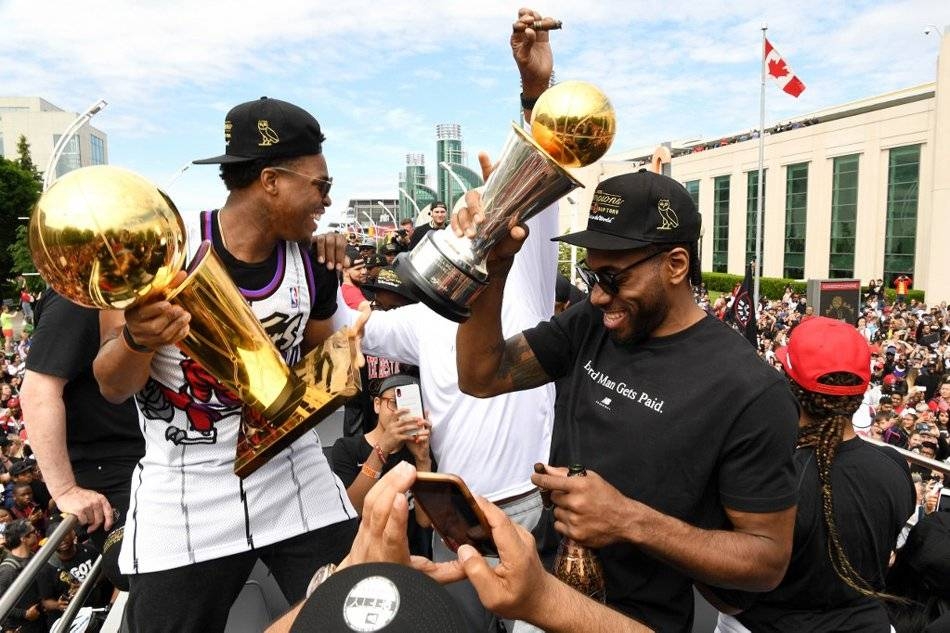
854,498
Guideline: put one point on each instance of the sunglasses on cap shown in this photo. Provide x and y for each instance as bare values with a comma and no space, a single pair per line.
609,282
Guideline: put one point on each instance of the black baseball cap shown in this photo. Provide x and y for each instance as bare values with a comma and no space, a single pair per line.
396,380
268,128
374,261
379,597
636,210
387,279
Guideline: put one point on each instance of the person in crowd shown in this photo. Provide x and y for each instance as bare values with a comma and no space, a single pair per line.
86,446
854,498
22,506
26,616
517,588
361,460
292,513
359,415
629,350
66,569
354,276
438,222
902,284
7,314
492,444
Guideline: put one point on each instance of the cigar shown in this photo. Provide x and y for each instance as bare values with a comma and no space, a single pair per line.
545,493
544,24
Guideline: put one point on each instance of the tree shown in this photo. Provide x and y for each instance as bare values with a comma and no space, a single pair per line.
19,191
25,159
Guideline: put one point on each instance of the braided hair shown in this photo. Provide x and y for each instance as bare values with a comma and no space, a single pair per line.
828,416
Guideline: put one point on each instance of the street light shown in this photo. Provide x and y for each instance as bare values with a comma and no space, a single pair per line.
370,218
931,28
178,174
412,200
444,165
389,213
67,136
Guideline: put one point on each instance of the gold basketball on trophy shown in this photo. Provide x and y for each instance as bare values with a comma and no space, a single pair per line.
105,237
574,122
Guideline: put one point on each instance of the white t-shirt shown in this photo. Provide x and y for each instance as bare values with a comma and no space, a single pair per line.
187,504
491,443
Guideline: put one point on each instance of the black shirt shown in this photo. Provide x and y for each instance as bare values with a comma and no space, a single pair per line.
688,424
103,439
53,579
873,496
347,458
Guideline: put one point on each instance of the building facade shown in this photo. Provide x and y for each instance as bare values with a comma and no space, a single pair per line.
860,190
42,123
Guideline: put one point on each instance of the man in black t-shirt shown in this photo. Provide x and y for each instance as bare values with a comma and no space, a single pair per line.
438,214
686,434
66,569
85,446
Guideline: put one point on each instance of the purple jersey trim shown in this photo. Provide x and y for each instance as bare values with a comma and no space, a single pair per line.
266,291
308,266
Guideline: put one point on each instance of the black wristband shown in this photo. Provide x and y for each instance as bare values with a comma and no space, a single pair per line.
527,103
135,347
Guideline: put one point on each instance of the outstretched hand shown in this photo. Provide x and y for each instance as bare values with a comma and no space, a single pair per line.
532,52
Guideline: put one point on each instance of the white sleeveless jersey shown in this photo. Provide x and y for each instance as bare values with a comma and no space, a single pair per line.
187,504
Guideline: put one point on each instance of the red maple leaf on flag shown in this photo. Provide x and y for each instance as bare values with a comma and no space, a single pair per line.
777,68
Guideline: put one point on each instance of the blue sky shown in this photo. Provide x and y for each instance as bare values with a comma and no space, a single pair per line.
380,76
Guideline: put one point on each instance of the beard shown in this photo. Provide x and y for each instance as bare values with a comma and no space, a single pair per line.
651,312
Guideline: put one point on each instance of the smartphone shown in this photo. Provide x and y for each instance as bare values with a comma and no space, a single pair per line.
455,515
410,397
943,503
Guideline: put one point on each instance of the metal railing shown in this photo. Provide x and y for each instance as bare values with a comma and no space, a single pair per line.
916,458
10,597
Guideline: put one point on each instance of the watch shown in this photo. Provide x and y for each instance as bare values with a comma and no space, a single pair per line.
319,577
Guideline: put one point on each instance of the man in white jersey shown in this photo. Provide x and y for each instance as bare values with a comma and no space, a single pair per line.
195,529
492,444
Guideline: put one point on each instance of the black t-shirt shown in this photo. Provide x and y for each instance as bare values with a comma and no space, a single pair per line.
419,232
687,424
52,579
347,458
258,275
103,439
873,496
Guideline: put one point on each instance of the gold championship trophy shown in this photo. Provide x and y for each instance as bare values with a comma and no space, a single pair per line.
572,125
106,238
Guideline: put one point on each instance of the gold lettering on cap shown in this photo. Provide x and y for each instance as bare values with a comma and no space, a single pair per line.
604,206
668,218
268,135
227,132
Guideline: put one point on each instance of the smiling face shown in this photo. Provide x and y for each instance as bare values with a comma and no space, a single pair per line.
438,216
641,305
299,203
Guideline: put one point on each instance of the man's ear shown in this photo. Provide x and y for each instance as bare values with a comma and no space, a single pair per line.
677,265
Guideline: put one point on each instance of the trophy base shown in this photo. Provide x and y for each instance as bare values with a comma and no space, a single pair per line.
331,376
446,286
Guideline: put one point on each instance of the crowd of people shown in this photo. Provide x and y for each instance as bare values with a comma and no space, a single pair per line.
710,463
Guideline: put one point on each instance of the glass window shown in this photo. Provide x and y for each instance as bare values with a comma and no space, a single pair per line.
844,216
721,224
98,147
70,158
751,208
796,212
692,188
900,242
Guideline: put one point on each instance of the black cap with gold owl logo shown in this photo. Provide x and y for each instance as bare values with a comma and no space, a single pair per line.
635,210
268,128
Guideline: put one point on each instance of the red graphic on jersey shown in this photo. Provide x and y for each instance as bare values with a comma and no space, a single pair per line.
194,398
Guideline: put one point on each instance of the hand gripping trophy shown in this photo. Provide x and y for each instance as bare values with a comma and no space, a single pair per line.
572,125
106,238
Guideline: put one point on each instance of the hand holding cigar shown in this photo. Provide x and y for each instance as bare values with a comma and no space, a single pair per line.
544,24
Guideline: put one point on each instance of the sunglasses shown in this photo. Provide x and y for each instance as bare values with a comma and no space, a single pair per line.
322,185
609,282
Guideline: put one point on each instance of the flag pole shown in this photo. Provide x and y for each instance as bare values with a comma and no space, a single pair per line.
757,265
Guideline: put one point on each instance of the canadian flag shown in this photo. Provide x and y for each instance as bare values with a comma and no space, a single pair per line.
778,70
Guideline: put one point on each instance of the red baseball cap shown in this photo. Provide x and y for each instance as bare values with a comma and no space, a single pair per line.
821,346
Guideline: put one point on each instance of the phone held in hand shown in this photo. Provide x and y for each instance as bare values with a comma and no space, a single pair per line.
410,397
454,513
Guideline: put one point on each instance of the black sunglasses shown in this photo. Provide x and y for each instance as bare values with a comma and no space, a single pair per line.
322,185
609,282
